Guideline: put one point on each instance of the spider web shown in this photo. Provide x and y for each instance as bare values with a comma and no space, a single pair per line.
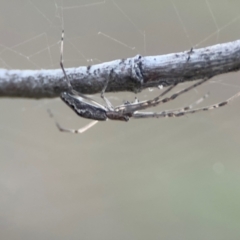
35,157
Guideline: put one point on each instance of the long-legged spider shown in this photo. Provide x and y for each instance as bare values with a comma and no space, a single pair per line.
88,108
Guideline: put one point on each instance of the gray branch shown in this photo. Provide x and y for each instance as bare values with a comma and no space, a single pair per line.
131,74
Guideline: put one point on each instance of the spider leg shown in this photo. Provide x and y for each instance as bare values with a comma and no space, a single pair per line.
80,130
77,131
165,92
182,112
157,100
199,101
184,109
191,106
109,105
61,63
168,90
187,108
209,107
74,92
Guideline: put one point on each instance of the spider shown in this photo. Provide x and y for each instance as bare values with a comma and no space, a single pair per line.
88,108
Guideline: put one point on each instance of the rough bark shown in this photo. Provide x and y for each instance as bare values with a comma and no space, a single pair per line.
131,74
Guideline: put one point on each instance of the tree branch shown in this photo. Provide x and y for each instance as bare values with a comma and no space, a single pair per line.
131,74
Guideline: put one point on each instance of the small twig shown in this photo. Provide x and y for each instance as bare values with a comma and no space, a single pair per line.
131,74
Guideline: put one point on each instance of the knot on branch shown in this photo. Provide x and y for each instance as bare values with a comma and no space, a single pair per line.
136,72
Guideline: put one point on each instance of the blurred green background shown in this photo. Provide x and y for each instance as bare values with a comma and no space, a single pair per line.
150,179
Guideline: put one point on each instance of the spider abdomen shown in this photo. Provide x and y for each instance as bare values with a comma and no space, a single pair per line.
83,109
